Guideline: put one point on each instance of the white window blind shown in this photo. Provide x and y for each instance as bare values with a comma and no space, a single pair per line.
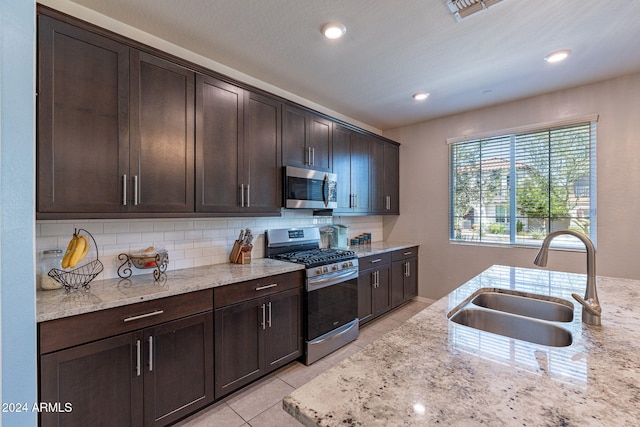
516,188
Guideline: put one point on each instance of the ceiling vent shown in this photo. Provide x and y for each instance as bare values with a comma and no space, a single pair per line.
464,8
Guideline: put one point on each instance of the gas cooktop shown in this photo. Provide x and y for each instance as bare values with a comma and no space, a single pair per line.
315,257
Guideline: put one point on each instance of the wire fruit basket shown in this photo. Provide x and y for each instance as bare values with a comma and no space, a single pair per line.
79,277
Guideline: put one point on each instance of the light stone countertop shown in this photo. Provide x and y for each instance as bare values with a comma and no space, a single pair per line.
111,293
430,371
376,248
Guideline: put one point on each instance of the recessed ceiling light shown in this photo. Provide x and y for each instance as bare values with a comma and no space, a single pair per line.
557,56
420,96
333,30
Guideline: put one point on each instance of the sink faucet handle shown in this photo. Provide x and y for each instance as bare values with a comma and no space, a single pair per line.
591,306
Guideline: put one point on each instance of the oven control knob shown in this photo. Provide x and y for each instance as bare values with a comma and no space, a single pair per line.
345,265
350,263
318,271
325,269
335,267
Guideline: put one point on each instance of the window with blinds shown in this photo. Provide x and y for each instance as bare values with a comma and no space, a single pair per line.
516,188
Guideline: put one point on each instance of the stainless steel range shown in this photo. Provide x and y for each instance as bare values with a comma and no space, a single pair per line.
331,297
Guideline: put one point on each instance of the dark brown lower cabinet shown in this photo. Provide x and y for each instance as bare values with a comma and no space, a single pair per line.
258,335
98,380
404,279
147,375
374,293
178,373
404,275
386,281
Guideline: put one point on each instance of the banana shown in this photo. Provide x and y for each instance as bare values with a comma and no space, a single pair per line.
67,255
87,246
78,251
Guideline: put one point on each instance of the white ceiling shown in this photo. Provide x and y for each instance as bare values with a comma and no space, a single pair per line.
395,48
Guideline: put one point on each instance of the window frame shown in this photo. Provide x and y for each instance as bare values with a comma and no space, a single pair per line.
512,133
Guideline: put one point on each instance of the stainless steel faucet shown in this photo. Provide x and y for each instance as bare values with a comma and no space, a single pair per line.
591,310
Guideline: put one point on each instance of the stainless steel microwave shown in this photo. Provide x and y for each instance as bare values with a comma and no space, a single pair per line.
310,189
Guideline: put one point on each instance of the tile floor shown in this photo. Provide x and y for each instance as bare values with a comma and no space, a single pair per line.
260,404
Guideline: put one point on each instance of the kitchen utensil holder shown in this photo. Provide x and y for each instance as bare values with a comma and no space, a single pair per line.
160,265
79,277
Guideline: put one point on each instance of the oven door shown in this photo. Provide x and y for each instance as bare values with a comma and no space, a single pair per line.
310,189
331,301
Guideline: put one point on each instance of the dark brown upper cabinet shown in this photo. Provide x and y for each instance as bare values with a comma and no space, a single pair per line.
238,140
306,139
351,154
115,127
83,120
124,130
162,136
384,177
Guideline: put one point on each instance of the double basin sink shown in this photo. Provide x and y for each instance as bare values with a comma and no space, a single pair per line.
529,317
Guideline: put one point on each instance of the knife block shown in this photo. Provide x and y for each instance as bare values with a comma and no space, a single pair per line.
240,254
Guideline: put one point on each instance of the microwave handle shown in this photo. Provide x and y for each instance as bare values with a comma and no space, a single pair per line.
325,190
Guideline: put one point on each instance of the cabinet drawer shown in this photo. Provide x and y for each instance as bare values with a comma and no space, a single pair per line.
244,291
374,260
70,331
401,254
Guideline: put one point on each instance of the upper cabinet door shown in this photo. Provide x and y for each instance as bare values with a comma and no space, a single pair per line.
306,139
378,198
162,135
83,126
219,137
342,166
384,177
294,138
360,166
320,142
392,178
262,153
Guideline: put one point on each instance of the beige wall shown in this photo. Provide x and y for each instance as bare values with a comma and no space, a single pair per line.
424,197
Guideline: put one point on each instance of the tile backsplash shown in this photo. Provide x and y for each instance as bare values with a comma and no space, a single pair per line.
191,242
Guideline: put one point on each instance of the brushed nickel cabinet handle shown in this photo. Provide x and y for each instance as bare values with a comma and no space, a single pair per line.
124,190
373,261
138,358
136,191
260,288
263,317
248,197
150,353
269,319
142,316
242,195
407,253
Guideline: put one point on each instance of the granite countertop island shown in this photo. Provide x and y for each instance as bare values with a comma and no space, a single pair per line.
431,371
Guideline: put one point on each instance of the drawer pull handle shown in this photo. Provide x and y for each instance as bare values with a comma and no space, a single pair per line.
260,288
408,253
373,261
142,316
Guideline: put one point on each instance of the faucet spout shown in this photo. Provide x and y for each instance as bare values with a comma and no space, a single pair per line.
591,309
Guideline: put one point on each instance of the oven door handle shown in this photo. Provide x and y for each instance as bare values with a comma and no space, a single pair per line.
331,279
